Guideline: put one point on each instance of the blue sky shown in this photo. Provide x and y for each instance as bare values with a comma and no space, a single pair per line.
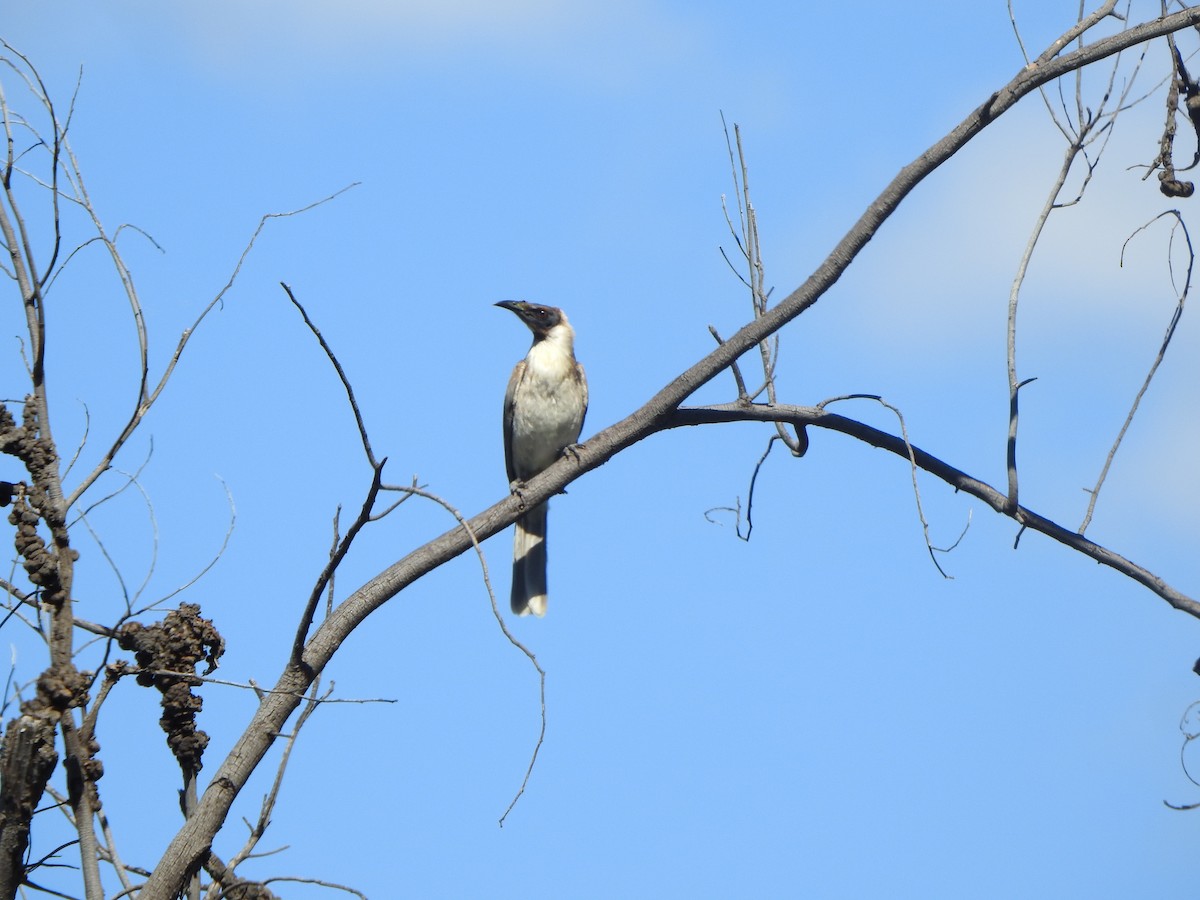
814,713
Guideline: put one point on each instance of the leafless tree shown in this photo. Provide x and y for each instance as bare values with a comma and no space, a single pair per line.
56,729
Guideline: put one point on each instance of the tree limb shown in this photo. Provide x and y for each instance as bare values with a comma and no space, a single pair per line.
195,837
956,478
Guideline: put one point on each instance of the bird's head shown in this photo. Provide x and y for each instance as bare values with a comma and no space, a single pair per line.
540,319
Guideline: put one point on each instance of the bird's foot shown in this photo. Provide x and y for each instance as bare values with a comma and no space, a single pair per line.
518,490
572,450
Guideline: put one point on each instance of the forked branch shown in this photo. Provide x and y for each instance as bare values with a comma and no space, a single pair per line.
662,411
956,478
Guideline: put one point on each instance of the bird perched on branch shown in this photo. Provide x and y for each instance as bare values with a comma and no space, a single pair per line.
544,407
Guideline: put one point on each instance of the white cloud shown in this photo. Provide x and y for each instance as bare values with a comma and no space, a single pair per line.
929,297
940,271
591,38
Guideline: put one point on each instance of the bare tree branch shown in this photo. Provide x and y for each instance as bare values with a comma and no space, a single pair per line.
362,429
146,395
1162,352
911,455
194,838
956,478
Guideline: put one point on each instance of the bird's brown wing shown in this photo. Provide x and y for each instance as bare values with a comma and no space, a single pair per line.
517,375
582,384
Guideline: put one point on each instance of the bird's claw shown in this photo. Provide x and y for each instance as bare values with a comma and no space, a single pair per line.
517,488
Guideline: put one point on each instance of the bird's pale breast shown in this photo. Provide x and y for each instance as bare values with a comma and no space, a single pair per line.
546,415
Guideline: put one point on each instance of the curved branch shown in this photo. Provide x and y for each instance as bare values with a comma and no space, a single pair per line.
1094,493
194,839
956,478
147,395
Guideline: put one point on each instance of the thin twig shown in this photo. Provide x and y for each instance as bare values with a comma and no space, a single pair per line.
755,280
362,429
268,804
750,492
333,885
913,467
956,478
512,639
1080,130
146,397
734,368
1162,351
335,560
208,566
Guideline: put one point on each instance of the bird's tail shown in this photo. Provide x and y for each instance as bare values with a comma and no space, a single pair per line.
529,563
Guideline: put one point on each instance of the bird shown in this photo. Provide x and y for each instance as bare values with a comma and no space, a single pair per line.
544,407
